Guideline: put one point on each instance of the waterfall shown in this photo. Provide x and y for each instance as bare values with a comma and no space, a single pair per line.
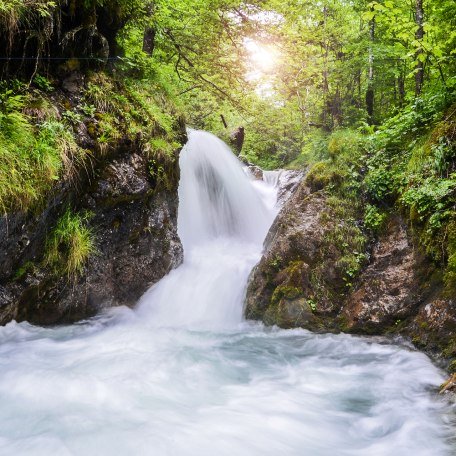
216,198
184,375
222,222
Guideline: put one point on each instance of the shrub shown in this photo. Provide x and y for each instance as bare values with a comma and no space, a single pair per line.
31,159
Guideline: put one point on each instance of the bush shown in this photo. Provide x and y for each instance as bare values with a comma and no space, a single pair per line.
379,183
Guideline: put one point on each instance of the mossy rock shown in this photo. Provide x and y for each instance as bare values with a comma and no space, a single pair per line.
321,175
292,313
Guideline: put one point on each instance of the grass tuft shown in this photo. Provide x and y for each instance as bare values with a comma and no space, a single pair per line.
70,244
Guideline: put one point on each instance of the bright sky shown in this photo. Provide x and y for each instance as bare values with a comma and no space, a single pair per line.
263,58
263,63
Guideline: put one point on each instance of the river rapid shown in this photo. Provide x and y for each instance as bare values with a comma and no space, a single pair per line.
184,374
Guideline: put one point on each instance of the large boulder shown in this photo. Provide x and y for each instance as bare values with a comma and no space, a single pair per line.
392,286
300,280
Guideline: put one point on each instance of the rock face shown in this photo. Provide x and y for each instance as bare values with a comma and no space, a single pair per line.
299,280
393,285
135,226
302,279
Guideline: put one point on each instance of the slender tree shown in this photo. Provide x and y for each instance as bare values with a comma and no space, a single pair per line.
370,76
420,56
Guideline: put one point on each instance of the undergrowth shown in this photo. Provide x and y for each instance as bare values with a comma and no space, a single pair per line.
32,157
407,165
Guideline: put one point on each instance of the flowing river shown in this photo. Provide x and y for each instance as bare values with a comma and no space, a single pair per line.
183,374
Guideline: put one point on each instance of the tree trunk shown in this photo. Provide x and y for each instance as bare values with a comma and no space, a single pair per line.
149,32
326,112
401,85
370,75
149,40
419,74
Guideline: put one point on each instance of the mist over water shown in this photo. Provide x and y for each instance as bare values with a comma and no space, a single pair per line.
183,374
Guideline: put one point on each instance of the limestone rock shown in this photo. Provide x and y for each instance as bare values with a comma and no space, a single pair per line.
286,285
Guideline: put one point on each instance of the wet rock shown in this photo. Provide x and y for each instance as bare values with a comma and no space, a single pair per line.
433,328
73,83
255,171
449,387
135,227
287,182
401,292
286,285
301,280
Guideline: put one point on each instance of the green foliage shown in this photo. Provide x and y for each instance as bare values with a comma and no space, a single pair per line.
351,264
312,304
30,160
374,218
70,244
43,83
133,109
346,237
450,274
336,161
432,199
72,117
412,166
345,143
379,182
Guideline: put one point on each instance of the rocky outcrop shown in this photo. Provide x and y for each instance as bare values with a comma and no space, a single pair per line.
300,280
135,227
401,292
307,278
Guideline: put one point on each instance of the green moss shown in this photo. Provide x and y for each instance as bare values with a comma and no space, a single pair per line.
27,267
323,174
287,292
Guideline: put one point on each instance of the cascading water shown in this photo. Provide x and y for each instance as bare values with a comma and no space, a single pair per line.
183,375
222,223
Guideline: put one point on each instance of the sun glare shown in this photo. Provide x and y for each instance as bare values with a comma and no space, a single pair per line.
263,57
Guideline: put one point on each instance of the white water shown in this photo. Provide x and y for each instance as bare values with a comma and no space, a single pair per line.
183,375
222,222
